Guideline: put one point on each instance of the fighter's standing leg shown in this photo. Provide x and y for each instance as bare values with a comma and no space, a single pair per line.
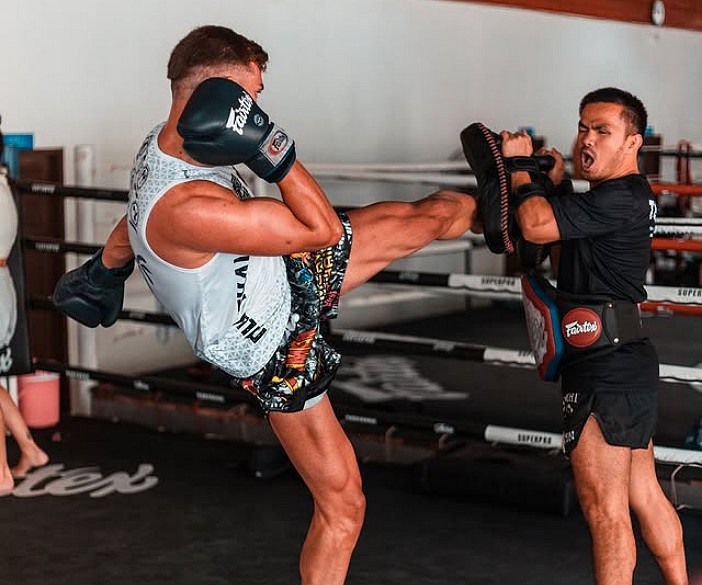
324,457
660,525
387,231
601,472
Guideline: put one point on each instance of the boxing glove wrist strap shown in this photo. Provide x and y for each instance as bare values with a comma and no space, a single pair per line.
101,275
526,191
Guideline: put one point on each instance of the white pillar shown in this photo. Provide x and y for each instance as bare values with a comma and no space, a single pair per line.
82,340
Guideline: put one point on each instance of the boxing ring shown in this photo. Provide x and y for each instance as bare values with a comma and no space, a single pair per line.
440,411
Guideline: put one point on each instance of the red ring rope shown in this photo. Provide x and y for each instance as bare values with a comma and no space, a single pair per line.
694,190
679,245
693,310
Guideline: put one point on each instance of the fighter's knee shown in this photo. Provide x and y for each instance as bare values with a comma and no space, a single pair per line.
456,197
346,510
604,512
647,495
353,507
446,206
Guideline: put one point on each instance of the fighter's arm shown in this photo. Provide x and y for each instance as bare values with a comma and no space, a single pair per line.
93,293
222,125
117,251
199,218
535,216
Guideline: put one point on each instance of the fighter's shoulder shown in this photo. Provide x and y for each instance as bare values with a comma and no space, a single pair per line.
197,193
201,190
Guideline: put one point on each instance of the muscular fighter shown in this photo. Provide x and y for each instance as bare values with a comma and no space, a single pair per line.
610,390
249,280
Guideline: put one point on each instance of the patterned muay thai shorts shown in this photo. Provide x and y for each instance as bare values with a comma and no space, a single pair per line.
303,367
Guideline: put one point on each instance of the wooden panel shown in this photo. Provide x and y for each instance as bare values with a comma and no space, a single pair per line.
42,216
678,13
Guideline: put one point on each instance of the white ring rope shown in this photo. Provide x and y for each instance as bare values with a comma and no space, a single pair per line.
510,288
692,226
677,229
448,246
437,167
438,179
514,358
389,298
679,220
362,173
545,440
678,295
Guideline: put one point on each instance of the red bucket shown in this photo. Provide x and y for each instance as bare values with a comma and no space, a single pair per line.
38,398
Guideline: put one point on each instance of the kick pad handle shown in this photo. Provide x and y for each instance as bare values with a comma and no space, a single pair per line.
540,163
545,162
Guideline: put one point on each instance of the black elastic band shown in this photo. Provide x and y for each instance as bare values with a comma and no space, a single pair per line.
526,191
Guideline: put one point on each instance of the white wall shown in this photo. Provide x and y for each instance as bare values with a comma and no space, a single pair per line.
352,80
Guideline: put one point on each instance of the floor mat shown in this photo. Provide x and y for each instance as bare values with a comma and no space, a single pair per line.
123,504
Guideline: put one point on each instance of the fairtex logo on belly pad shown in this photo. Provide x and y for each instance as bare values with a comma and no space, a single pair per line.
238,117
581,327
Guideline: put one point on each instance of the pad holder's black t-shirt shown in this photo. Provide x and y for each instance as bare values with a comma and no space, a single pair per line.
606,250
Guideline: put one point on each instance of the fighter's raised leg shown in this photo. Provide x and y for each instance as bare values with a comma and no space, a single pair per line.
390,230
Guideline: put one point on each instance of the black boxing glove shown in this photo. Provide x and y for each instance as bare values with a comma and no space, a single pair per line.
92,294
222,125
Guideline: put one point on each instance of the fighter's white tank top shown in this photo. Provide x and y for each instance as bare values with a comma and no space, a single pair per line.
234,309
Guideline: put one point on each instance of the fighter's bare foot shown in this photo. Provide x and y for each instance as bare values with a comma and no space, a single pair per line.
28,461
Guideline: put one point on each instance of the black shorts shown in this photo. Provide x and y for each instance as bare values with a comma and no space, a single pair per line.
304,365
627,419
620,390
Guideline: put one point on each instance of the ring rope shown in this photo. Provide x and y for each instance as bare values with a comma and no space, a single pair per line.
477,353
668,226
340,173
480,286
679,220
672,153
668,308
694,190
223,396
510,288
677,229
694,246
57,246
203,392
51,189
440,167
496,434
